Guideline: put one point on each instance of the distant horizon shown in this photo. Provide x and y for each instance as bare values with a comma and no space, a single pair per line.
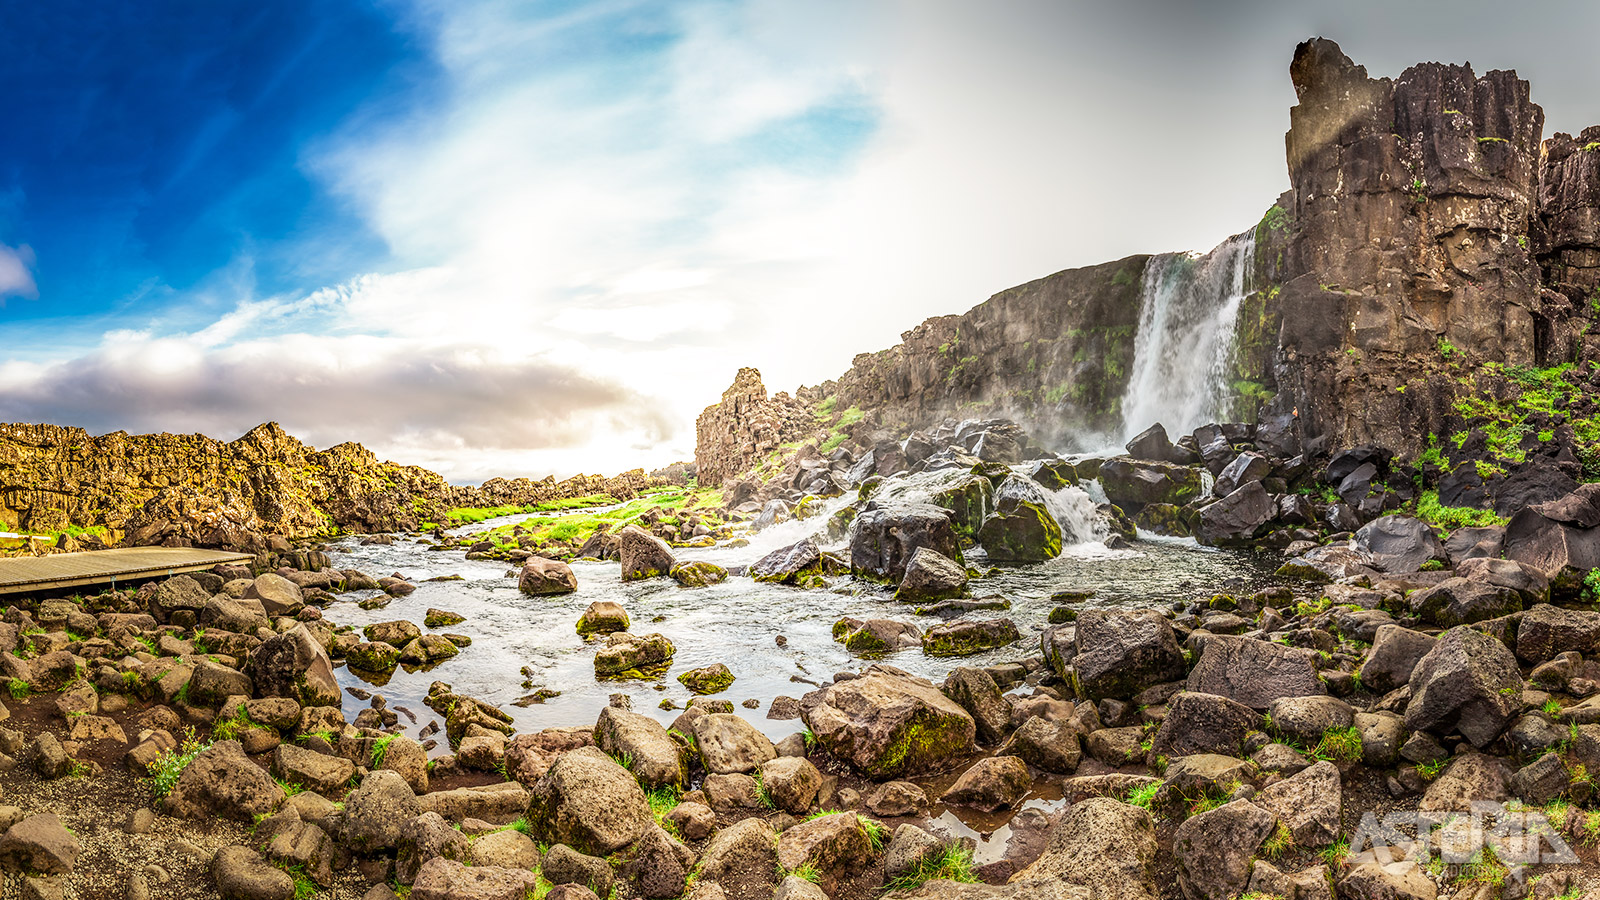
511,240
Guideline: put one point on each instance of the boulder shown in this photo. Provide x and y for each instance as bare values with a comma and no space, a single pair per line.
876,636
542,577
1245,468
931,576
965,637
1458,601
38,844
1306,719
712,679
1546,631
1047,746
446,879
792,783
323,773
643,554
1238,518
728,744
1468,682
1134,482
1020,531
831,845
1400,544
375,812
427,837
278,595
241,874
1527,581
978,694
632,656
1103,847
1308,803
211,683
294,665
603,617
564,865
1254,672
373,656
788,565
888,723
1203,723
1215,850
992,783
698,574
1471,778
588,802
1560,550
222,782
1120,652
884,539
397,633
1394,654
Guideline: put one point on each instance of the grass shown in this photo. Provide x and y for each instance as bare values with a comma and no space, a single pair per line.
304,887
380,749
1431,770
951,862
806,872
1335,853
662,800
577,528
1279,843
19,689
169,766
1142,797
230,728
877,834
1339,745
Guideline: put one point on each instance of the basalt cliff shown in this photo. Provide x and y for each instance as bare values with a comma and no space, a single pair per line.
192,490
1433,266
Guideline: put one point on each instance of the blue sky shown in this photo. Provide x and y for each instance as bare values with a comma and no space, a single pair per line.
513,238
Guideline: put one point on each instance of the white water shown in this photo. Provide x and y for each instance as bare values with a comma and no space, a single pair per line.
1188,315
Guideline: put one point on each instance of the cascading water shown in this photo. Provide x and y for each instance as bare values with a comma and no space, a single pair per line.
1074,510
1188,315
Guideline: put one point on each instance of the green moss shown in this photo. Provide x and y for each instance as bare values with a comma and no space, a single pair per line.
1429,510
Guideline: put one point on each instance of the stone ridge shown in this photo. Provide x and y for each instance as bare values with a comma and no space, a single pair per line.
735,434
184,490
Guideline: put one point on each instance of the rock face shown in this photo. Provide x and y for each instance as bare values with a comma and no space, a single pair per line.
888,723
735,434
191,490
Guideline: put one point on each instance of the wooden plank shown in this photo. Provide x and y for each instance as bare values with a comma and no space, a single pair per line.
63,570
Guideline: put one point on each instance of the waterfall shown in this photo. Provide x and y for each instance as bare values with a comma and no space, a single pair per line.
1188,315
1074,510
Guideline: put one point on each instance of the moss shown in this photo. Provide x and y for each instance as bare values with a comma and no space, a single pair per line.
922,741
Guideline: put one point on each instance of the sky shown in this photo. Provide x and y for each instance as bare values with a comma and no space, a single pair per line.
517,239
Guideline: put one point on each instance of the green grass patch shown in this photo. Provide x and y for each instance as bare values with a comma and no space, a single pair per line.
1430,510
169,766
951,862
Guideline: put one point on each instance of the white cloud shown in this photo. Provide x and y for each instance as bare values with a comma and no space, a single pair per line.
16,273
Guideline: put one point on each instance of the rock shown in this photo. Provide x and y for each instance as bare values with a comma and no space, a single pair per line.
832,845
373,656
1203,723
876,636
728,744
930,577
965,638
1394,654
396,634
977,693
49,759
1308,803
1381,738
632,656
375,812
603,617
440,618
1372,880
712,679
884,539
1238,518
657,759
1541,781
792,783
747,847
793,887
241,874
787,565
907,849
896,798
992,783
1527,581
698,574
1547,631
427,837
314,771
1469,683
542,577
888,723
1470,778
278,595
1020,531
1457,601
643,554
1102,846
1254,672
590,803
1559,550
1215,850
507,849
1046,745
1400,544
222,782
1122,652
657,866
178,593
1134,482
294,665
39,844
1308,718
446,879
223,613
1244,469
695,821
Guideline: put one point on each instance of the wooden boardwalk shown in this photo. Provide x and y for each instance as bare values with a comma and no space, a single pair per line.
67,570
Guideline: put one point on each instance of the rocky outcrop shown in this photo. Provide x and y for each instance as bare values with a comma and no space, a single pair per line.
732,436
192,490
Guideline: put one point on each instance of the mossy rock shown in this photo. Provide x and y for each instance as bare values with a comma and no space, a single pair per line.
1076,595
968,638
439,618
632,656
1061,615
969,501
712,679
698,574
1025,534
1163,518
373,656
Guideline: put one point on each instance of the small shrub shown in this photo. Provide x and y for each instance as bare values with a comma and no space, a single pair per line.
169,765
1339,744
951,862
